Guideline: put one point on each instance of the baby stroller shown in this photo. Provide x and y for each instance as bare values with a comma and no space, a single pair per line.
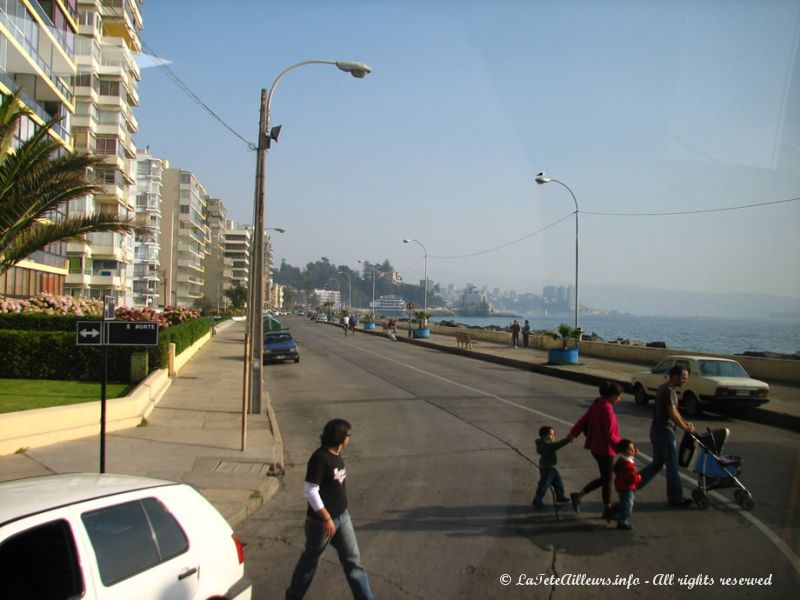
702,453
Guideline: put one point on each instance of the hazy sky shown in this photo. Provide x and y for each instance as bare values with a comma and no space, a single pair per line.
639,107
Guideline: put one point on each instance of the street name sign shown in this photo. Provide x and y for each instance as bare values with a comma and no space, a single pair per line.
132,333
89,333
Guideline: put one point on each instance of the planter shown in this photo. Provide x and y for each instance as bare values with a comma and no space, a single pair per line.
370,325
562,356
421,332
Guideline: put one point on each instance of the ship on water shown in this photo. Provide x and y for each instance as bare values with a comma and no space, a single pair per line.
474,303
390,306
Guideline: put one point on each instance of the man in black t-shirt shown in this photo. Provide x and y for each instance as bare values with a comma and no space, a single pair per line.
327,518
662,435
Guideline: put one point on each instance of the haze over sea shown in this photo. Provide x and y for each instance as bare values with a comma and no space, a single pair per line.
705,334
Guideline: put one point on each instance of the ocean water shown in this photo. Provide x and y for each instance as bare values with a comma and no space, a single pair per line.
705,334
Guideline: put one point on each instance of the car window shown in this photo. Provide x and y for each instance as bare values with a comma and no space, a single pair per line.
663,366
132,537
284,337
41,562
722,368
685,364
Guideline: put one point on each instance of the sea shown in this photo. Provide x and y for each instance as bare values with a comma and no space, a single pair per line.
704,334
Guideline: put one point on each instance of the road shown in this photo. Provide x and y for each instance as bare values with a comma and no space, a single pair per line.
442,467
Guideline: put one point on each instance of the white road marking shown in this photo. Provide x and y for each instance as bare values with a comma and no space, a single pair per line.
770,535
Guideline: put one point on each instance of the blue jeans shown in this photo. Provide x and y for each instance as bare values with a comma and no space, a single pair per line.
625,506
548,476
344,540
665,453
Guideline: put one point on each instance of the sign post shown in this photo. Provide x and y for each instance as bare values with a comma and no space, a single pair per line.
112,333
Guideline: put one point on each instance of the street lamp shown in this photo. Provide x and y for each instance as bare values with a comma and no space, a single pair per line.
425,302
541,179
269,282
373,284
254,380
349,290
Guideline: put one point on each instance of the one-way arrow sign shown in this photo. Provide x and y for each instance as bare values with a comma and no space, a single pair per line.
89,333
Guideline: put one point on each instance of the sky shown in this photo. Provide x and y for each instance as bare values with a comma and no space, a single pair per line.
636,107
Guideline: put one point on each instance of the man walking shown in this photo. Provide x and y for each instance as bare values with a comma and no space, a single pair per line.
328,520
662,435
515,334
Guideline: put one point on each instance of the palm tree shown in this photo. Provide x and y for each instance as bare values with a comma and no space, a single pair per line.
34,182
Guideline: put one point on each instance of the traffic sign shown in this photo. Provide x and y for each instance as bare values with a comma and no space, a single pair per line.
410,306
89,333
132,333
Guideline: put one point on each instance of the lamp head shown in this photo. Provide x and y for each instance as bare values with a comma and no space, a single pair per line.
541,178
406,241
356,69
279,229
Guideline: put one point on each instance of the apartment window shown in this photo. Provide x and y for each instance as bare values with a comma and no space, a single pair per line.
106,145
109,88
75,264
186,178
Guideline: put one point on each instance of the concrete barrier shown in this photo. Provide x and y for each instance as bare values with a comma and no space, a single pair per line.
44,426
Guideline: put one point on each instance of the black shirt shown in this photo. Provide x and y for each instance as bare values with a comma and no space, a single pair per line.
326,470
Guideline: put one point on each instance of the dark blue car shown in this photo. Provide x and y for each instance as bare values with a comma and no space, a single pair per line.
280,345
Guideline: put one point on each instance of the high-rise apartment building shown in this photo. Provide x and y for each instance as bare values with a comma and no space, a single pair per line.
185,236
219,267
147,271
237,249
105,92
37,42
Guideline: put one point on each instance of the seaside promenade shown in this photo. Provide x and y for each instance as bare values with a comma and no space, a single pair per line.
194,434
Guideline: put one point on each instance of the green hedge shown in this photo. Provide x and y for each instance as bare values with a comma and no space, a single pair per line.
42,354
41,322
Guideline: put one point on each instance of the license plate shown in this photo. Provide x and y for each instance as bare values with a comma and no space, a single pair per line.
742,392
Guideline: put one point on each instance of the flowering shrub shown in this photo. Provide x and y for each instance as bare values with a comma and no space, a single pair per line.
47,304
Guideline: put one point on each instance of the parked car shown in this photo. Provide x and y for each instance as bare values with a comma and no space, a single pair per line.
716,383
280,345
103,537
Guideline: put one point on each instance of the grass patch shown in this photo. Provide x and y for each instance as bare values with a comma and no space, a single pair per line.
26,394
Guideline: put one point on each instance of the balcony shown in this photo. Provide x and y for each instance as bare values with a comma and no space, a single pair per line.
80,280
107,281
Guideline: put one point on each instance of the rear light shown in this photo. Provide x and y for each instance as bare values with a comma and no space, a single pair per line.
763,393
239,548
721,391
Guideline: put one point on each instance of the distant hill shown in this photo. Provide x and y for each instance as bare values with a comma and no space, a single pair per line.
652,301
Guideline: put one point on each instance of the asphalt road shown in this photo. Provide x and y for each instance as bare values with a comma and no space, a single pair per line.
442,467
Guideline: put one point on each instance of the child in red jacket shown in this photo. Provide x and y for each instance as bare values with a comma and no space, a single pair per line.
625,481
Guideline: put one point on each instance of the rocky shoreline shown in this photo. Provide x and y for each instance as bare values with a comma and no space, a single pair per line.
593,337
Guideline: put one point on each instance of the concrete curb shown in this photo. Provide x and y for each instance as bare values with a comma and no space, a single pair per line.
755,415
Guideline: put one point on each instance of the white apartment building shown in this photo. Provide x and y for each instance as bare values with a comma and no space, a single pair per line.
105,89
237,249
219,267
185,237
147,277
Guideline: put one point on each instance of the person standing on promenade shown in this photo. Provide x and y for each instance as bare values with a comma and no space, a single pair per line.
662,435
328,520
599,425
526,332
515,334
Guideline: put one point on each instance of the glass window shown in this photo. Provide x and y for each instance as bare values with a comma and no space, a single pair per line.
664,366
41,563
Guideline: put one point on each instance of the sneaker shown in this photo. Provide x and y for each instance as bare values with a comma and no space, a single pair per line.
563,499
624,526
683,503
575,498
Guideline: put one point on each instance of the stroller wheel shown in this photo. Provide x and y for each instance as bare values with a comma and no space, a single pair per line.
700,499
738,496
746,501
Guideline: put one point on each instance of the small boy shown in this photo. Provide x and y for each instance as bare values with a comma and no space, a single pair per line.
547,446
625,481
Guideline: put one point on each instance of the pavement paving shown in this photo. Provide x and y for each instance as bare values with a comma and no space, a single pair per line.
194,435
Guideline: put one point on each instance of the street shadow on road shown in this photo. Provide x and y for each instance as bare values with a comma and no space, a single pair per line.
545,529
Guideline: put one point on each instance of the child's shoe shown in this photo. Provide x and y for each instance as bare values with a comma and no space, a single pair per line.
624,526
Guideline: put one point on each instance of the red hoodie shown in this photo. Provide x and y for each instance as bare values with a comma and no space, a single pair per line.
599,424
626,477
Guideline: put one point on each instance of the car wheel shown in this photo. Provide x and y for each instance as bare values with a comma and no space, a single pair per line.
691,406
639,395
297,359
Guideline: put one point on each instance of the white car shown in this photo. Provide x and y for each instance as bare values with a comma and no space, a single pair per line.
88,536
716,383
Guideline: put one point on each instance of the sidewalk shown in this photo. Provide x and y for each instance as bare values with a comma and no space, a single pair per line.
783,409
193,436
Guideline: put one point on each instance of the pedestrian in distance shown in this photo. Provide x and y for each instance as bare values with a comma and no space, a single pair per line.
345,323
353,320
526,334
327,518
625,481
662,435
599,425
547,447
515,334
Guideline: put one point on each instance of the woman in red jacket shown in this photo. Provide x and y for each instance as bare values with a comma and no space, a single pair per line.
599,425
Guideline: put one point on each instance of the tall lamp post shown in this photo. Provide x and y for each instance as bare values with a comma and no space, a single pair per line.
269,283
373,285
541,179
425,302
254,380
